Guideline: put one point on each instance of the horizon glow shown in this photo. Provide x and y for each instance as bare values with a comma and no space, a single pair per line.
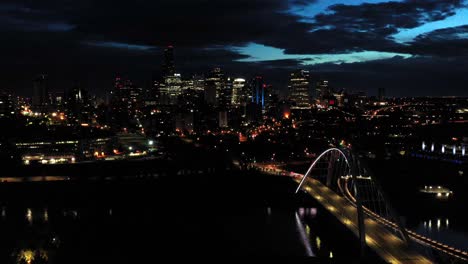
120,45
259,53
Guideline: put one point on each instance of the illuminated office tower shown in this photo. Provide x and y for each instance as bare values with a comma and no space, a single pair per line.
299,88
237,92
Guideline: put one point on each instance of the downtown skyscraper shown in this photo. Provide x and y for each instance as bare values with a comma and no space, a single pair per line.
299,88
168,67
40,97
170,87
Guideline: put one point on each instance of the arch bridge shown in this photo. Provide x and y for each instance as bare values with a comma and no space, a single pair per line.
341,182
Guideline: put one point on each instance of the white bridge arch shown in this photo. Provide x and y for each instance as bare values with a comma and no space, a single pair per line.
328,151
366,190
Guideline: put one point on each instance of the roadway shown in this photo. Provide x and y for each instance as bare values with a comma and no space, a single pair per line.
380,239
384,242
425,241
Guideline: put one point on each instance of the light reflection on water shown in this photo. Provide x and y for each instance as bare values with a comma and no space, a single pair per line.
441,224
35,179
30,256
41,240
51,231
41,243
440,229
304,236
29,216
311,240
46,215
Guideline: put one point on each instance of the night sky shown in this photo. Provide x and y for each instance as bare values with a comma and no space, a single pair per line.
411,48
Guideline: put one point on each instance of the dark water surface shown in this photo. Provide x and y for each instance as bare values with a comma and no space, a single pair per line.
140,220
444,220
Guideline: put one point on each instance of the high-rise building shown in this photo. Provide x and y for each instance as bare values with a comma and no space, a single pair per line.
381,93
168,68
210,92
338,98
79,105
7,106
270,97
216,78
237,92
257,87
299,88
40,98
322,92
59,101
190,100
223,119
225,97
126,95
187,85
151,93
170,89
198,82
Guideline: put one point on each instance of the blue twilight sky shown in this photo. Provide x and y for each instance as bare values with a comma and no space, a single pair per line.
409,47
307,11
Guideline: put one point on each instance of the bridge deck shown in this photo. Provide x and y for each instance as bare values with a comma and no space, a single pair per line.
386,244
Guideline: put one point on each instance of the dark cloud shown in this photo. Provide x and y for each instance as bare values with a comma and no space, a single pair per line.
194,23
203,23
448,42
19,16
302,2
67,61
90,41
283,64
386,17
414,76
347,28
199,29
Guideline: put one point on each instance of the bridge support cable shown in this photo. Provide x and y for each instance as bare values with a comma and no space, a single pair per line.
447,254
316,161
384,209
330,168
360,211
385,236
332,156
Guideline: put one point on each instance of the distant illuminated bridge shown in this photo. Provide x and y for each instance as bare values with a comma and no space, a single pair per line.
376,112
338,180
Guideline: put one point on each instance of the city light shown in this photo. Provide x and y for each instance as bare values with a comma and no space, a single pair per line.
29,215
238,116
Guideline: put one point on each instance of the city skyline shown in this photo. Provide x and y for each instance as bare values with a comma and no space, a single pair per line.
330,129
409,48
